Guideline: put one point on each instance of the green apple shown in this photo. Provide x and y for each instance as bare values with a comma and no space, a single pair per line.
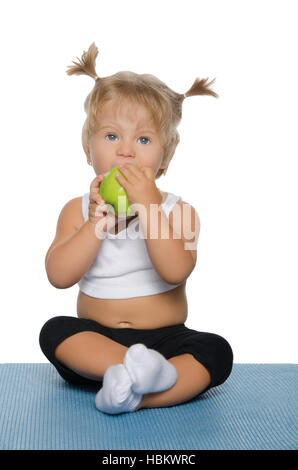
113,193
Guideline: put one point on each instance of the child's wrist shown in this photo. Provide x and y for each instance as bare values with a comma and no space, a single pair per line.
95,230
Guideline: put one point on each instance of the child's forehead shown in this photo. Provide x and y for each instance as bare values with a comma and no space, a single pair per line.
117,109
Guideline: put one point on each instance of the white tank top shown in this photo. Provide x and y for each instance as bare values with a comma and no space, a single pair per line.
122,267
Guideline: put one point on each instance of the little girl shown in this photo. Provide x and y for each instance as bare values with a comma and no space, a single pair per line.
129,337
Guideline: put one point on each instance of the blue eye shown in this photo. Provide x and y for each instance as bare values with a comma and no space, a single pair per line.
144,140
146,143
109,135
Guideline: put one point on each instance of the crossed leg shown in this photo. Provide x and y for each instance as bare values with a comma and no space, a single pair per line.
89,354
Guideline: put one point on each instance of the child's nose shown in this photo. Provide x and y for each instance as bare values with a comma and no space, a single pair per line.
126,149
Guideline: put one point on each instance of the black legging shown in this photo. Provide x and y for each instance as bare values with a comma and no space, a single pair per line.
210,349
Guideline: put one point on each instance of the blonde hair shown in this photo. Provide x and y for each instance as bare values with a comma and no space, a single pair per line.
164,104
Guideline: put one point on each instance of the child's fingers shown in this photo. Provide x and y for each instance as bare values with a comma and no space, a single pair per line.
95,184
94,190
97,212
100,209
95,198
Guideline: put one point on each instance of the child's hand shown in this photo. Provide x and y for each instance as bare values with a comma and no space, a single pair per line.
139,183
98,209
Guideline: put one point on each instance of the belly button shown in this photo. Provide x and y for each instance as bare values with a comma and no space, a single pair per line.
124,324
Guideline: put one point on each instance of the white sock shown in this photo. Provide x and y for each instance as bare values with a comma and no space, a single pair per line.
116,395
149,371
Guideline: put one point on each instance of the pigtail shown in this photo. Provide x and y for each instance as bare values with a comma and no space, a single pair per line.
86,65
201,87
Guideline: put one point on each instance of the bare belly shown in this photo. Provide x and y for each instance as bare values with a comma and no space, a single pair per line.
148,312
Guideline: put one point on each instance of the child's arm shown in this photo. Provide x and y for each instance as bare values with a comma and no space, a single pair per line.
76,242
173,258
72,253
172,247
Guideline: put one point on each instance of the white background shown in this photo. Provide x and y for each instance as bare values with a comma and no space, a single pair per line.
236,162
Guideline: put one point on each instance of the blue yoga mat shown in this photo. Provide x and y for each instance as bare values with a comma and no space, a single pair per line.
256,408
